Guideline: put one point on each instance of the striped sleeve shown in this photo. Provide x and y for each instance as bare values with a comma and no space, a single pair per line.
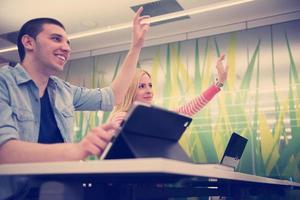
196,104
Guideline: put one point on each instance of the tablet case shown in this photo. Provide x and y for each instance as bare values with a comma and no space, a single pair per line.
149,131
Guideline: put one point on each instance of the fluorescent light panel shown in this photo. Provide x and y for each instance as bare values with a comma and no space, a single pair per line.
12,48
202,9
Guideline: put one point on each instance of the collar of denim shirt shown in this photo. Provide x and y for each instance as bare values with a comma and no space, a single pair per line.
22,76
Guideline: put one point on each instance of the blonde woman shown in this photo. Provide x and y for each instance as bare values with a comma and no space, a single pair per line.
140,90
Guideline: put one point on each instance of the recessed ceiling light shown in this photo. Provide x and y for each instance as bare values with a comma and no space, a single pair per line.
89,23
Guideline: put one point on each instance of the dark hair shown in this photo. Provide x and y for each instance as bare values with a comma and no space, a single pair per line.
32,28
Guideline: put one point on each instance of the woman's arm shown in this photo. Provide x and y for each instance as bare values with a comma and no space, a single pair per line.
195,105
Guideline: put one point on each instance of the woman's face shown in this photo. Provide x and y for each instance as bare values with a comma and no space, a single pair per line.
144,91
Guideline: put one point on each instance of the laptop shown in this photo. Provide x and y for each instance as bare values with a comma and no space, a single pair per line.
149,131
234,150
232,154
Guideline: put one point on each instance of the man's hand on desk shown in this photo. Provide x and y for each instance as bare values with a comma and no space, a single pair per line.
96,140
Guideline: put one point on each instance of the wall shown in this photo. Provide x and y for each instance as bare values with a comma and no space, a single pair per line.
261,99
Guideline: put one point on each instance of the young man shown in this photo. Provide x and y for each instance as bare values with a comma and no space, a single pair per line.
37,108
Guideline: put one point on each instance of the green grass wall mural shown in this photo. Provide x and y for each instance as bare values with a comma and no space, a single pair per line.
260,100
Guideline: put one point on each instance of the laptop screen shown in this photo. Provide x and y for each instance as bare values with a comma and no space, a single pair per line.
234,150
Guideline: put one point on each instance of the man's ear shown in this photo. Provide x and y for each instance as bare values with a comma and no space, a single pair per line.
28,42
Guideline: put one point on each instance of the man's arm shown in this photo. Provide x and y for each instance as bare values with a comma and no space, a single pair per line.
127,70
16,151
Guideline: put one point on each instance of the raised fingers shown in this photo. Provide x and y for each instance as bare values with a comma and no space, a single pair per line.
138,13
221,58
222,71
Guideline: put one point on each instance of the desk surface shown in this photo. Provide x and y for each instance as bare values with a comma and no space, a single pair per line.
145,166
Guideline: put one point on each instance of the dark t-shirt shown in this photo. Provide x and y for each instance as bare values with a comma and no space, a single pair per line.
49,132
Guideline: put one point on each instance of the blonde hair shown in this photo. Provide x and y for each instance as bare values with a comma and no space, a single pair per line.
131,92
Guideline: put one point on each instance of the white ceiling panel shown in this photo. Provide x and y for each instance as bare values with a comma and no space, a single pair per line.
84,15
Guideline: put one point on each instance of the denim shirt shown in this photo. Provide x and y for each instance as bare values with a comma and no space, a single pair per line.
20,104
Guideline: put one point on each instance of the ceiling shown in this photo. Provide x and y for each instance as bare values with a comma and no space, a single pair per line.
84,15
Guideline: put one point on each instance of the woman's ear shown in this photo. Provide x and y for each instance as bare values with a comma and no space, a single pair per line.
28,42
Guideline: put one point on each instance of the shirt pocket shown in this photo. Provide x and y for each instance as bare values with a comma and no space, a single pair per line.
25,123
67,116
68,112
